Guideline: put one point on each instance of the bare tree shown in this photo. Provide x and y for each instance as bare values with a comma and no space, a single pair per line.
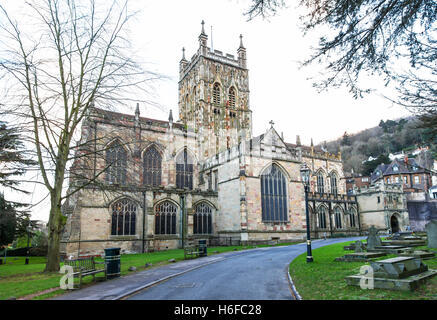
75,55
393,39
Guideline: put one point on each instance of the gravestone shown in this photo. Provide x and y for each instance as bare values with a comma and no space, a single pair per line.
358,246
373,240
431,231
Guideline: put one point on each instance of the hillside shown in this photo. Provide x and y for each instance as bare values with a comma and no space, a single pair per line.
389,136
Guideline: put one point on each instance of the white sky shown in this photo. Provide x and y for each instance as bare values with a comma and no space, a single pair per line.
279,91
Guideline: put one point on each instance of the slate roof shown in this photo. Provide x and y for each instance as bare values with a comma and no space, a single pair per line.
410,166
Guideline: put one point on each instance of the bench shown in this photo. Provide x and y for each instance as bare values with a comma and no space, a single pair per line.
192,251
83,267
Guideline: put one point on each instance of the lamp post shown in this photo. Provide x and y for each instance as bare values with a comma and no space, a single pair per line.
305,175
28,228
144,217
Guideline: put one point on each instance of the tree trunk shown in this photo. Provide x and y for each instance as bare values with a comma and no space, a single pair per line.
55,227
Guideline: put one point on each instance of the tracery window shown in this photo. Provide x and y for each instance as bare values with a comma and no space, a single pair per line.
116,161
334,189
152,167
216,93
320,183
322,217
165,218
232,97
184,170
337,217
123,218
274,195
352,216
202,219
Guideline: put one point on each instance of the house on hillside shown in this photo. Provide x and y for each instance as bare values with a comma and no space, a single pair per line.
416,182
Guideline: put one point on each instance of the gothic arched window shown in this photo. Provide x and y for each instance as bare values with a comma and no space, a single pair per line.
116,161
274,195
165,218
320,183
352,215
322,217
232,97
202,219
152,167
337,217
184,170
334,189
123,218
216,93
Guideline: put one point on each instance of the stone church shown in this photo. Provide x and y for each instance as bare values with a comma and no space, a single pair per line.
148,184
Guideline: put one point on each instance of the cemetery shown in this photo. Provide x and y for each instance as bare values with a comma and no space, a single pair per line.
404,272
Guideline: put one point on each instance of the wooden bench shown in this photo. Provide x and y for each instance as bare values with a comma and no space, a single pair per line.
83,267
192,251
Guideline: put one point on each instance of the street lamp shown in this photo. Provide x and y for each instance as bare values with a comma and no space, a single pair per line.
305,175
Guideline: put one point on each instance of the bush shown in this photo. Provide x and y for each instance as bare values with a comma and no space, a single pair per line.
22,252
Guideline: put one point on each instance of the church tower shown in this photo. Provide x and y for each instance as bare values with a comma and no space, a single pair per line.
214,97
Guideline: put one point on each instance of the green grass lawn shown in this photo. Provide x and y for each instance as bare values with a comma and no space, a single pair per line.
19,280
324,278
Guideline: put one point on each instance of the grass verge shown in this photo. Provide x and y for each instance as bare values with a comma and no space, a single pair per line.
324,278
30,282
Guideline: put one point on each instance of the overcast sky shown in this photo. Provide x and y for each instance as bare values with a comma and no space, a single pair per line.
279,90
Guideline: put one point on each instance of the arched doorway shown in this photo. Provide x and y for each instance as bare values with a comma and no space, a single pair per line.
394,224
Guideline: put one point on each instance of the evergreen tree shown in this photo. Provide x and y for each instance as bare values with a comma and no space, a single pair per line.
346,140
14,160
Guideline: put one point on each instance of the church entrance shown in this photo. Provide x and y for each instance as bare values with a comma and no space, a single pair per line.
394,224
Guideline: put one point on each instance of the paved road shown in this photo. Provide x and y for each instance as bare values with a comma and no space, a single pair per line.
259,274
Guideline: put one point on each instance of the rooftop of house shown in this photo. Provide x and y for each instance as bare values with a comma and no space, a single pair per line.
397,166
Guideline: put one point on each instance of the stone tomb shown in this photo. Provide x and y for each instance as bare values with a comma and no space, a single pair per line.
388,249
359,254
401,273
406,243
423,254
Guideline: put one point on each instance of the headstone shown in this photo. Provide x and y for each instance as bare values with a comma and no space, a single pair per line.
148,265
431,231
132,268
172,260
373,239
358,246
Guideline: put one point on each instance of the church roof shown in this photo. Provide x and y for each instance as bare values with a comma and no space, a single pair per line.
117,116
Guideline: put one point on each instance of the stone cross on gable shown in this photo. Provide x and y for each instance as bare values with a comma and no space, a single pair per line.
271,123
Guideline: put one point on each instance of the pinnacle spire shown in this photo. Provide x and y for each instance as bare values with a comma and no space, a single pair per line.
170,116
203,27
241,41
